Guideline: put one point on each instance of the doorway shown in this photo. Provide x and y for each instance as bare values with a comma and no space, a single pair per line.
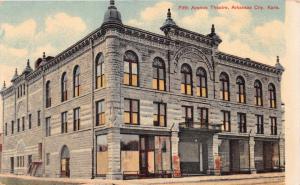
65,162
147,155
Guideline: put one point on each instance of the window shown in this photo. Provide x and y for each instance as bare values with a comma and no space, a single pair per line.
242,122
29,121
241,96
64,122
226,121
23,123
76,81
48,126
160,114
100,117
259,124
48,94
188,115
186,79
201,82
258,93
20,161
64,87
5,129
38,118
18,125
203,116
159,74
273,125
130,152
132,112
24,89
76,117
272,95
131,69
47,159
100,77
224,88
102,155
12,127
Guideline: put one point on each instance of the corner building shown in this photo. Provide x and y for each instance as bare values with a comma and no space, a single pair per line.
124,103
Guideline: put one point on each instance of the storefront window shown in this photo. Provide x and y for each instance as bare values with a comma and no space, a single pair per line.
130,153
102,155
162,153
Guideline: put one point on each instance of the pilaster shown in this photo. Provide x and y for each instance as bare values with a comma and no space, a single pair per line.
252,155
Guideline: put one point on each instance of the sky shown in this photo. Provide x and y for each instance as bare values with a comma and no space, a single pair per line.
28,28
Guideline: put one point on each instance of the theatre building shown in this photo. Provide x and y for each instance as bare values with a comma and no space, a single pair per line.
125,102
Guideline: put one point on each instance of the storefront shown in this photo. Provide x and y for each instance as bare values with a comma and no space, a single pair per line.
266,156
234,156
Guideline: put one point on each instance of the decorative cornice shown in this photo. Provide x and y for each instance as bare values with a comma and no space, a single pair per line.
247,62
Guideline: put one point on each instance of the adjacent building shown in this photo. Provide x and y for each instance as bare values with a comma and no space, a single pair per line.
125,102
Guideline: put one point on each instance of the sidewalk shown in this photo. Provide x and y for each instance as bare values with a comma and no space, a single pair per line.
156,181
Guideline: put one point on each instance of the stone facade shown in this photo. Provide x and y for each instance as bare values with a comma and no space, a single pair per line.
219,150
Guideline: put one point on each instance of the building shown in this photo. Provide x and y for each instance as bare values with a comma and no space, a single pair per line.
124,102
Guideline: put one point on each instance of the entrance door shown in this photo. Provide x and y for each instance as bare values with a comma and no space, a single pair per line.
12,165
147,155
234,156
65,162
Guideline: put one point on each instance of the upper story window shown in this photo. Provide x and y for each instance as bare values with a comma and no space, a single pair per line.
273,125
48,94
38,118
272,95
131,111
131,76
76,81
160,115
259,124
12,127
48,126
64,122
258,93
201,82
18,125
224,87
23,123
64,87
159,74
188,115
5,129
29,121
203,116
100,111
242,123
226,121
100,77
76,119
241,91
186,80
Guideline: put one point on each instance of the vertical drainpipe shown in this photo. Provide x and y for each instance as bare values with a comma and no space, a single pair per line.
279,152
43,131
93,115
3,131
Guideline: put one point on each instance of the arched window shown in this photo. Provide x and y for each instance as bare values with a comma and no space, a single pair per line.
48,94
76,81
64,90
241,93
186,79
258,93
159,75
272,95
100,78
131,69
224,87
201,82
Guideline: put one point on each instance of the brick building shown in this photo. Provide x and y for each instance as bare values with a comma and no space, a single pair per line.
124,101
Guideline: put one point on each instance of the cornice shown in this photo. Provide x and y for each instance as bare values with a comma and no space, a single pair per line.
247,62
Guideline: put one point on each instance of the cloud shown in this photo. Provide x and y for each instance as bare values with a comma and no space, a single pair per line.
29,39
153,17
236,28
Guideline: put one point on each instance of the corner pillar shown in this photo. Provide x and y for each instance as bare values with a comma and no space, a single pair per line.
252,155
214,159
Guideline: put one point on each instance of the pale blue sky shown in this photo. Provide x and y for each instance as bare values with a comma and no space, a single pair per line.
27,28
